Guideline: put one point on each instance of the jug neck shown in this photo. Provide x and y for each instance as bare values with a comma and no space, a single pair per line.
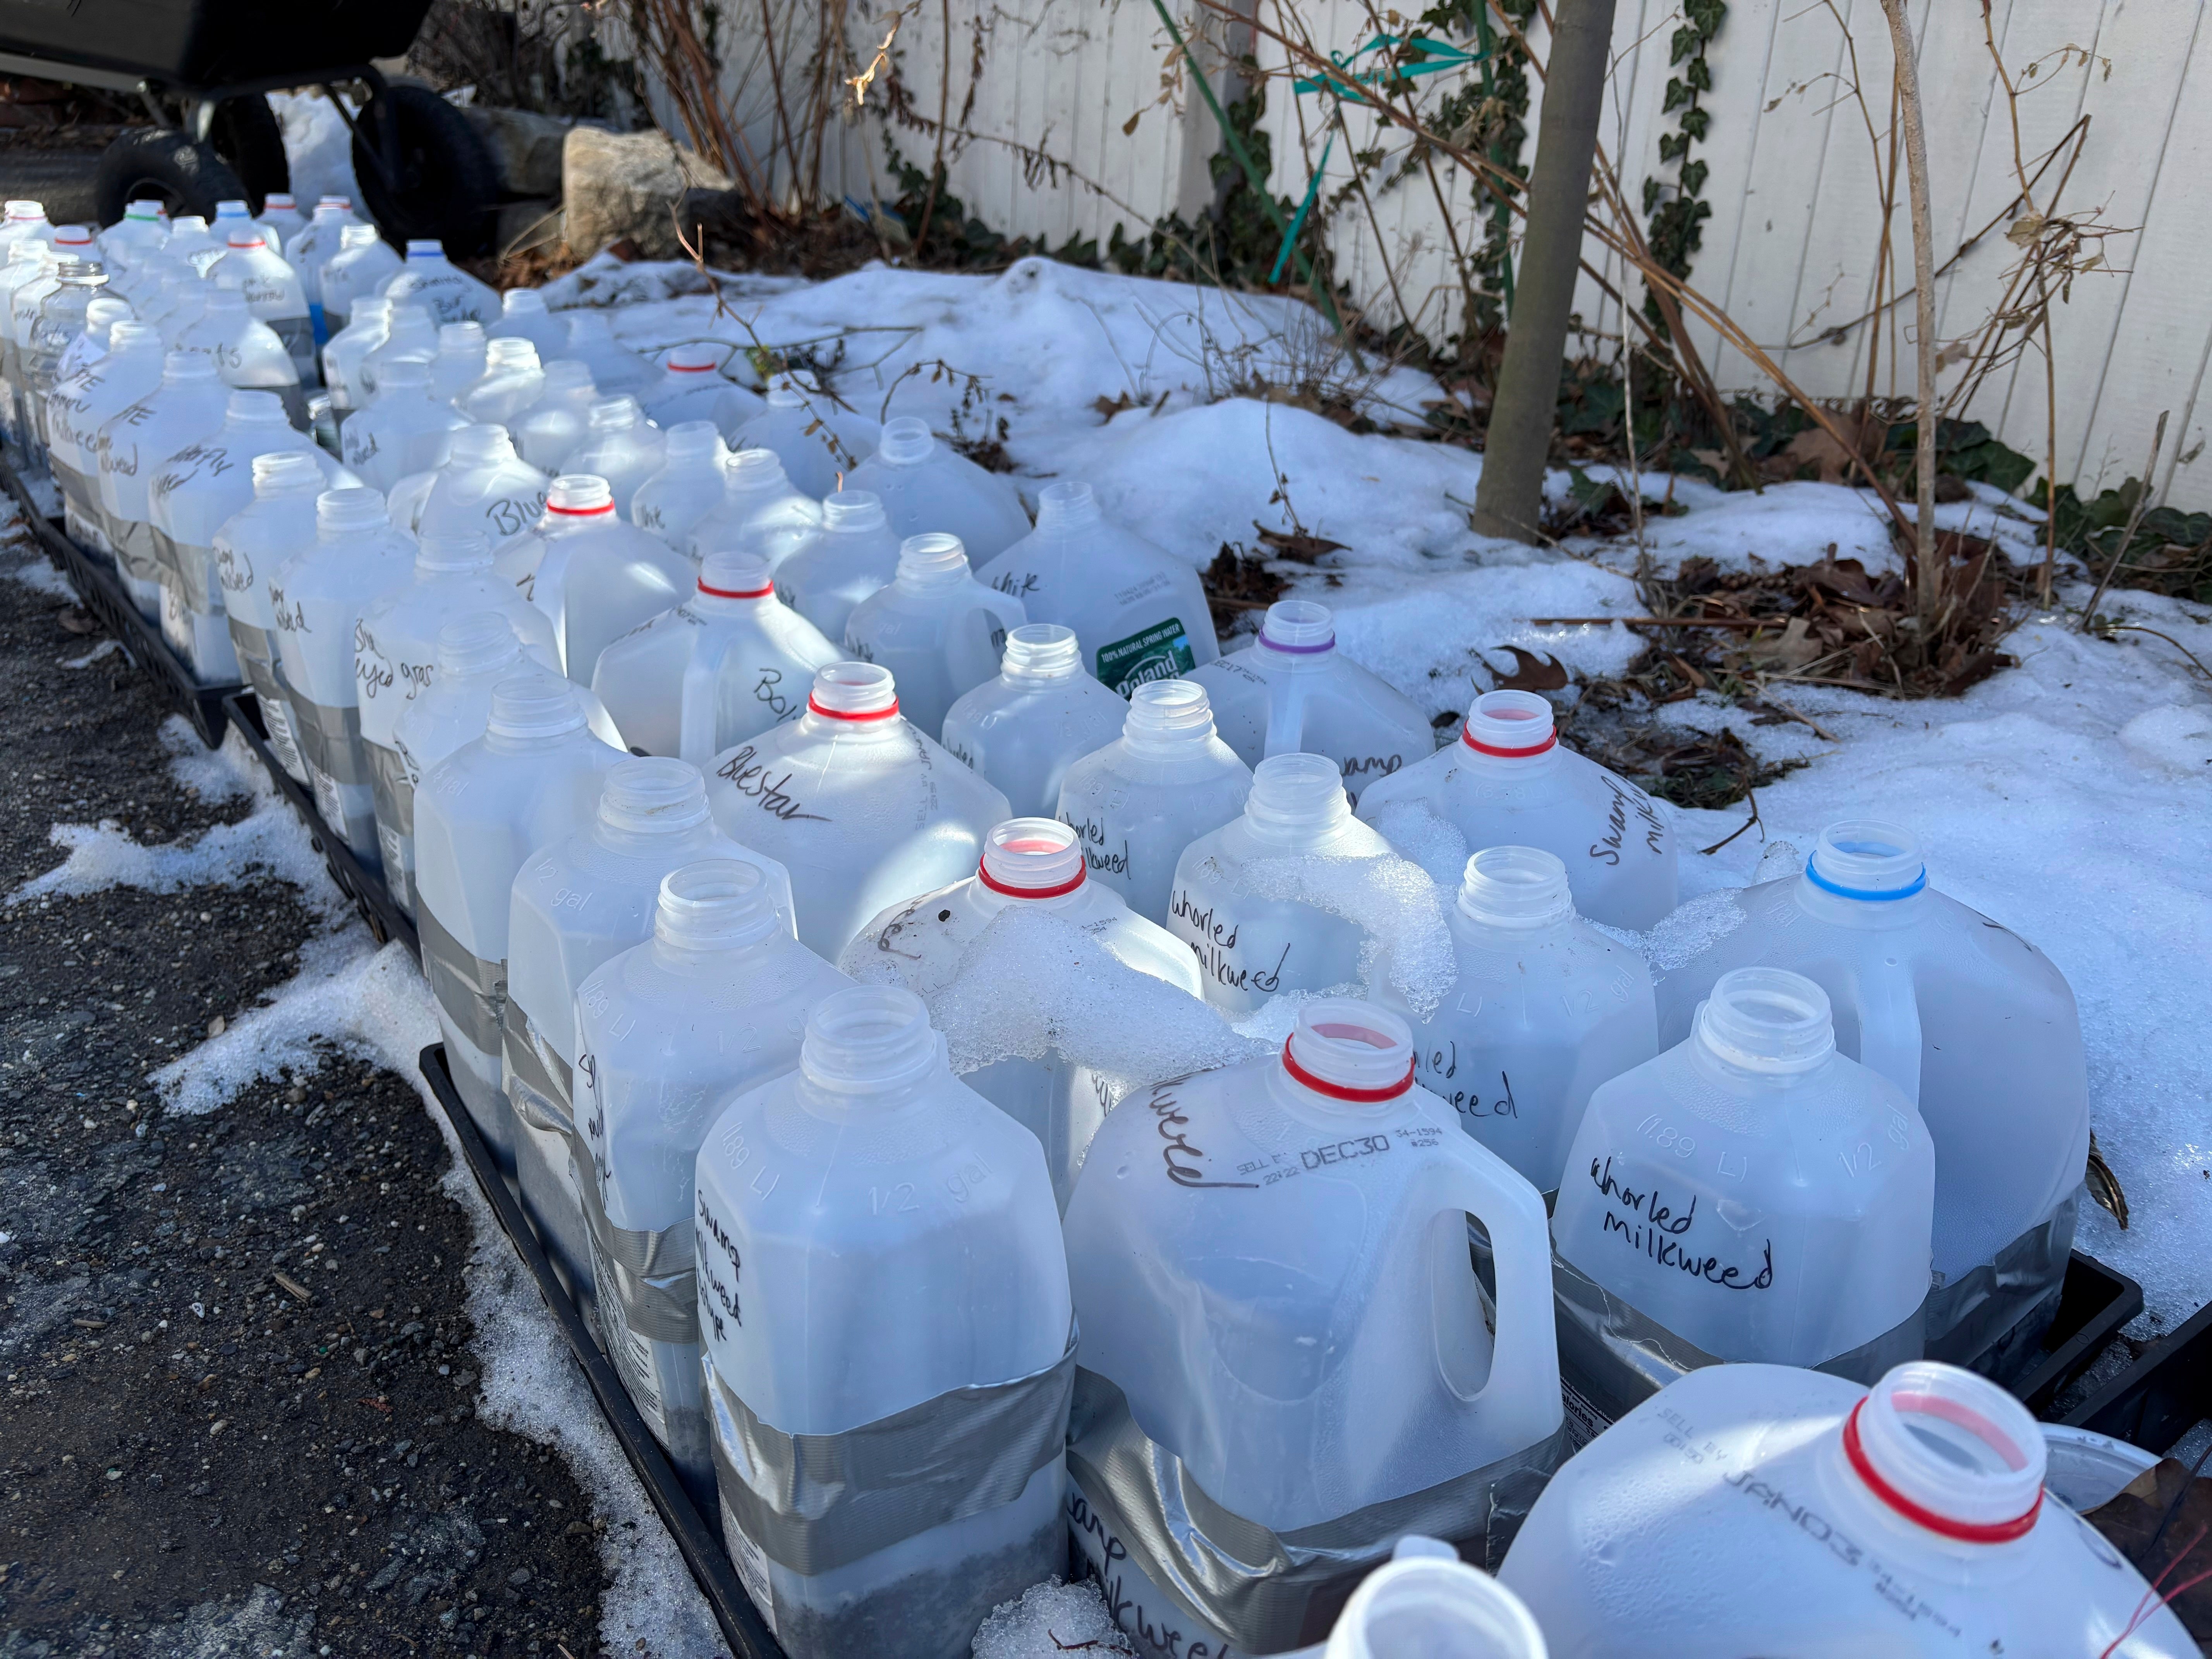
1943,1455
1865,875
868,1052
1345,1057
1510,733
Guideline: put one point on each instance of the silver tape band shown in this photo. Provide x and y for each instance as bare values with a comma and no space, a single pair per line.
135,553
471,991
649,1276
1993,1317
330,741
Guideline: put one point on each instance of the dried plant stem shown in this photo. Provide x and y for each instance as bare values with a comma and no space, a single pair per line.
1927,576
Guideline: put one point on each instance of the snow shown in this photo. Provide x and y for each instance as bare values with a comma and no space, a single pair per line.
318,147
1051,1618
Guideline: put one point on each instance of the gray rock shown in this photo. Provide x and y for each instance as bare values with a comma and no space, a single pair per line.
618,186
526,146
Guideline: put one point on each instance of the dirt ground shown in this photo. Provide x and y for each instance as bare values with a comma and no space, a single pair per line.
235,1395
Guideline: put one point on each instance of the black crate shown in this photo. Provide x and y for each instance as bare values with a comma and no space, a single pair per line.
2162,1396
194,44
2094,1302
100,592
697,1537
386,921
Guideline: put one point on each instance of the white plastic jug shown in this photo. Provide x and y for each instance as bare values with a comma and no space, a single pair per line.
937,628
428,278
483,486
523,316
513,380
924,487
1138,612
851,554
131,370
1966,1017
859,805
614,369
280,219
621,446
1759,1510
189,242
395,656
1279,1309
194,491
25,219
725,665
595,577
1294,690
346,349
1749,1192
187,406
1144,797
1425,1603
58,325
1031,864
879,1264
551,427
459,364
410,337
818,439
1023,730
1542,1009
532,779
247,351
278,523
761,511
406,428
577,902
318,596
688,487
712,1004
134,238
1291,895
309,249
1507,782
273,291
692,388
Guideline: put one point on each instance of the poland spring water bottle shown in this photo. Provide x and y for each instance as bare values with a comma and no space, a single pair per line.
760,512
1279,1309
1144,797
1507,782
1036,864
880,1270
1023,730
1544,1007
817,437
725,665
1138,612
532,780
1969,1019
249,550
860,806
594,575
1750,1194
1754,1509
927,488
935,626
712,1004
848,556
687,487
1295,690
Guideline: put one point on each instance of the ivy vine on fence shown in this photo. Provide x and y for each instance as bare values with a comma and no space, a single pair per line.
1677,220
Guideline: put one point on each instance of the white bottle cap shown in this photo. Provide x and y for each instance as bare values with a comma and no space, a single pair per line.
872,1039
1043,652
1348,1050
652,797
715,904
472,644
1031,859
906,441
1519,887
1767,1020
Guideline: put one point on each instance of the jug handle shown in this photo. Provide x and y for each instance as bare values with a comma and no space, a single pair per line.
1525,1351
1888,1005
1286,715
697,702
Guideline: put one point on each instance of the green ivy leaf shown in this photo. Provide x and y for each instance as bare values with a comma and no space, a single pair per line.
1672,144
1676,94
1685,41
1651,188
1695,123
1693,177
1699,74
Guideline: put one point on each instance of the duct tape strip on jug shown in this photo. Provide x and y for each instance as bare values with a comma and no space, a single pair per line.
1992,1319
1244,1587
471,990
1612,1358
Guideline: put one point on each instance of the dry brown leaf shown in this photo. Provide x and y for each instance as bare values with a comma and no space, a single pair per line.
1295,543
1531,672
1814,448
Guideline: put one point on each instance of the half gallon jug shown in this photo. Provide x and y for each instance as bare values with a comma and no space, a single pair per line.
280,219
523,316
687,487
532,780
1748,1195
614,369
1023,730
513,380
344,352
247,351
1972,1022
1759,1510
594,575
312,248
249,550
429,279
1425,1603
859,805
937,628
880,1272
725,665
692,388
459,363
621,446
927,488
1295,690
131,370
761,511
1141,801
1507,782
134,238
549,431
1543,1008
577,902
1034,865
851,554
483,486
405,429
1283,1334
818,439
273,291
712,1004
410,337
187,406
1138,612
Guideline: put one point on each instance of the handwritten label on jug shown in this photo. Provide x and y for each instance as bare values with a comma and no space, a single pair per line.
1105,1555
1628,802
1645,1221
749,778
718,1295
1438,1070
1185,1161
1101,858
1215,948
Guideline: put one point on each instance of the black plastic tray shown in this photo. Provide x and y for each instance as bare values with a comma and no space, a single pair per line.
100,592
386,922
2094,1302
2162,1396
697,1538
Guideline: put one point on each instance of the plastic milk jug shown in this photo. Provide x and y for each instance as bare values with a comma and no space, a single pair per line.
927,488
1024,730
594,575
937,628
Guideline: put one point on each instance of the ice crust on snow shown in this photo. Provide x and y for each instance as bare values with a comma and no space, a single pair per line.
1049,1619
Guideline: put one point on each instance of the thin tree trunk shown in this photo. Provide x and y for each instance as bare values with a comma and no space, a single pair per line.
1510,498
1927,573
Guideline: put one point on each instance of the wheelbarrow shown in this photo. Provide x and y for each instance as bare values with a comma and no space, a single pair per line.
201,69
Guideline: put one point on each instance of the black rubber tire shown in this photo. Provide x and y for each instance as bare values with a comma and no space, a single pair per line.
448,184
246,133
163,164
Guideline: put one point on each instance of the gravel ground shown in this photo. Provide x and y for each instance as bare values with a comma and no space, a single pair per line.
236,1397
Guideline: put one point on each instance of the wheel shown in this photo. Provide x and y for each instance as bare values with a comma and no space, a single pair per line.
246,133
162,165
447,185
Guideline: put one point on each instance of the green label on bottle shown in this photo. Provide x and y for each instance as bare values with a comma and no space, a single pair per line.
1160,653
